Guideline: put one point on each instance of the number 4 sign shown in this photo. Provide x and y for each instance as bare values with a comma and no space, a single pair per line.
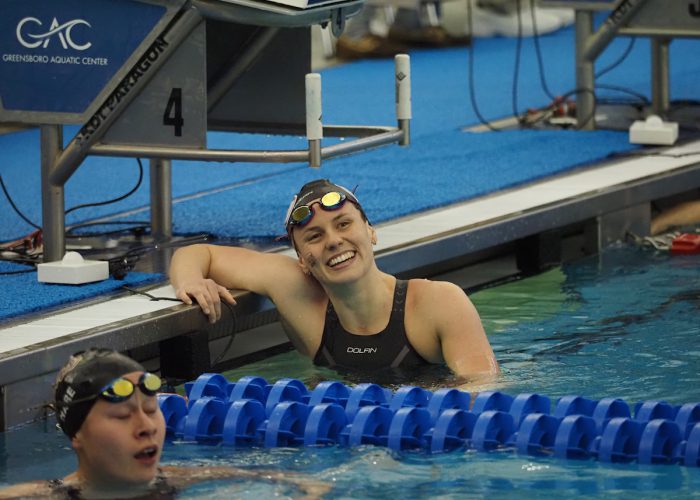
172,109
173,112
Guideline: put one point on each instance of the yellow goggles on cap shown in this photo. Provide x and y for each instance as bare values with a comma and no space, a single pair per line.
302,214
121,389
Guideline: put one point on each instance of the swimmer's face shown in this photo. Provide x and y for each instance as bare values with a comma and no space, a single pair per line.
119,444
336,246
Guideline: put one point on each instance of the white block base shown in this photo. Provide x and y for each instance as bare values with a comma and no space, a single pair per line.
73,270
654,131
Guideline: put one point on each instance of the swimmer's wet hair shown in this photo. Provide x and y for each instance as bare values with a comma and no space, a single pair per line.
81,379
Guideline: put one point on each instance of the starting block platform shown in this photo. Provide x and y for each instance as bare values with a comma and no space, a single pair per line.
149,78
661,21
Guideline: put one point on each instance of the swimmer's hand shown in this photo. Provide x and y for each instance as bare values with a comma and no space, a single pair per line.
208,294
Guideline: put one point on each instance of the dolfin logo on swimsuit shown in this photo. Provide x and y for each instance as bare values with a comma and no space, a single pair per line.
63,31
362,350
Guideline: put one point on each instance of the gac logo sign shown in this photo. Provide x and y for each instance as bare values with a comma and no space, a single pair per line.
30,35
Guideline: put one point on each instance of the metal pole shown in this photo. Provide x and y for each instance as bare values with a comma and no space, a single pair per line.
362,144
589,45
52,195
585,73
161,199
660,76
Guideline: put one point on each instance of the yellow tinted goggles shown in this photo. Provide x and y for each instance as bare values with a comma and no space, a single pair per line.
121,389
302,214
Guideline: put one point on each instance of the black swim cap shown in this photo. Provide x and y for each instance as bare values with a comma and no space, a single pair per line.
82,379
315,190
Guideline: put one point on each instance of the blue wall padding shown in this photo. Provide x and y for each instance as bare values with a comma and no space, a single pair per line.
22,293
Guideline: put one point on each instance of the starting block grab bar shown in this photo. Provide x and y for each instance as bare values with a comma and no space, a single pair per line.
183,67
367,136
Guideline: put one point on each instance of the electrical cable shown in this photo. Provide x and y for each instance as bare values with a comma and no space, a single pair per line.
14,207
115,200
644,100
521,119
231,337
543,81
119,266
137,226
77,207
538,52
516,67
234,318
470,68
619,61
142,249
548,111
146,294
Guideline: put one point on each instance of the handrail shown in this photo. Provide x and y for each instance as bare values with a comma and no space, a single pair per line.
378,137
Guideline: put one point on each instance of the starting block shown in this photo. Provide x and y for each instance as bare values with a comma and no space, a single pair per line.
659,20
149,78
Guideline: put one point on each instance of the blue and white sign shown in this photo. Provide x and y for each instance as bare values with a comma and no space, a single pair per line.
56,56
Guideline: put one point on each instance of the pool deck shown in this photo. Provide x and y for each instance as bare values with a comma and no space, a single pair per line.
518,230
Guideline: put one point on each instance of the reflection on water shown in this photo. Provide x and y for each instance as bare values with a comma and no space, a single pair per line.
622,325
626,328
372,472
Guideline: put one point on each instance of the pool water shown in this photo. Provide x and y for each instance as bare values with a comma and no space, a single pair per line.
621,324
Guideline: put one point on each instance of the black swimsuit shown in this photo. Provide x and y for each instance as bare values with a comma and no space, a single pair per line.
389,348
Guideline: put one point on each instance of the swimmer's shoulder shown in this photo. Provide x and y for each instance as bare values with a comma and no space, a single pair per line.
33,489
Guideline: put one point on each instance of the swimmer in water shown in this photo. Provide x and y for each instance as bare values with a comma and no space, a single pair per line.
106,404
336,306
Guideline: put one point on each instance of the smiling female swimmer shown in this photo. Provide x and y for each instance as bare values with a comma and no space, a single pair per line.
334,303
106,404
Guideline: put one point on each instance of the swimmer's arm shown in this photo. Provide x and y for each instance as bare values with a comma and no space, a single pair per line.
25,490
181,477
685,214
465,347
205,273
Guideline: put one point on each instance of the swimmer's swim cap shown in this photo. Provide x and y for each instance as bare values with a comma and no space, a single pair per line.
82,379
315,192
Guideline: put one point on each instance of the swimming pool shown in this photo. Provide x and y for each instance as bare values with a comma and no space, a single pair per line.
619,324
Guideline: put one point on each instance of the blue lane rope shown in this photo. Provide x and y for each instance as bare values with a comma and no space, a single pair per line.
252,412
